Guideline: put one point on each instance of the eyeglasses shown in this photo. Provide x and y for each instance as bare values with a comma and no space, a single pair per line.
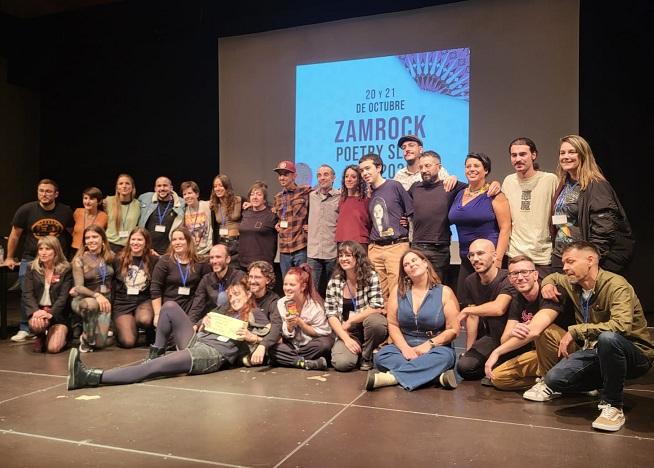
523,273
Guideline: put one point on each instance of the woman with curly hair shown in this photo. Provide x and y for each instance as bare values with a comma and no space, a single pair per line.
353,222
355,309
422,323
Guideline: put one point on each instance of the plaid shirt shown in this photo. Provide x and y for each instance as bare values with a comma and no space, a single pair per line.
292,206
369,296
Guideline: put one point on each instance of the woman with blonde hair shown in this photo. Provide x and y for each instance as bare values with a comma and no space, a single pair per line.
93,275
123,211
45,295
585,207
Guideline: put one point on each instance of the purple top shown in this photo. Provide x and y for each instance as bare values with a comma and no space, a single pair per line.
475,220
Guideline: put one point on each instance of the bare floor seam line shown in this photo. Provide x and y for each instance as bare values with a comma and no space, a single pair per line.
510,423
264,397
84,443
308,439
32,373
31,393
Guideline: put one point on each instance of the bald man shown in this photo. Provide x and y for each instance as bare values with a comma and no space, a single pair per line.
487,294
162,211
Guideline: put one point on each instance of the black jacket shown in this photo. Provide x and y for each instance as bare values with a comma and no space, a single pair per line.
33,286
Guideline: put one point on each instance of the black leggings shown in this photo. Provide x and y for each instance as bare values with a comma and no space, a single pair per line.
172,320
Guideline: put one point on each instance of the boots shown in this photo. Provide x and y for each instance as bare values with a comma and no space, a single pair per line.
312,364
155,353
379,379
79,376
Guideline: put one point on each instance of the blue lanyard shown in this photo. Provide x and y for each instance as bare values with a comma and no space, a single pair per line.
354,299
181,274
220,297
162,216
102,269
585,306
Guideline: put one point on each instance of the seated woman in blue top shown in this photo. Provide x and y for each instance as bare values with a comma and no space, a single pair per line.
197,353
422,324
478,215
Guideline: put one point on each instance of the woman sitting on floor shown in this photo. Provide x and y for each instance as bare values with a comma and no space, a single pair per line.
422,323
93,273
306,335
45,295
354,306
197,353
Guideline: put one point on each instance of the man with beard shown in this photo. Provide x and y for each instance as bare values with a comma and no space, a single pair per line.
488,294
162,211
431,204
411,146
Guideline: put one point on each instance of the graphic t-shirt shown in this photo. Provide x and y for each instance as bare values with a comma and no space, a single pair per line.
37,222
388,203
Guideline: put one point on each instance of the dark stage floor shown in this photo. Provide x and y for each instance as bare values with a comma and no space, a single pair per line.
284,417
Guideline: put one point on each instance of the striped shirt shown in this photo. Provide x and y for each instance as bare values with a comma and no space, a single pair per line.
369,296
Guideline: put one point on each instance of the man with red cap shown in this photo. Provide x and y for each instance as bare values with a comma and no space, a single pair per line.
292,208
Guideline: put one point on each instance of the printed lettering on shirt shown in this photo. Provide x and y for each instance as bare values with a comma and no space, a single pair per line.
525,201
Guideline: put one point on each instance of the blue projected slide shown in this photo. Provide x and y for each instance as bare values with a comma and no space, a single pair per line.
347,109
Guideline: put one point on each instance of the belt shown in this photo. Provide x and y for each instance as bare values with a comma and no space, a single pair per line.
397,240
428,245
231,238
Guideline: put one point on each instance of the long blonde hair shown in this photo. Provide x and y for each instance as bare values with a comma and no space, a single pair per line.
588,170
60,263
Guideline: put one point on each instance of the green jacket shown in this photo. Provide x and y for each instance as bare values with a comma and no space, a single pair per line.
613,307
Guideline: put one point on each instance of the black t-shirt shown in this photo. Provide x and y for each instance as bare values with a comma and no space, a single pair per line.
165,215
37,222
431,205
137,278
258,237
523,311
166,281
476,293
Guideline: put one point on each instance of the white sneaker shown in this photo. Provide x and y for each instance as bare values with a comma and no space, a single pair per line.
610,419
540,392
21,336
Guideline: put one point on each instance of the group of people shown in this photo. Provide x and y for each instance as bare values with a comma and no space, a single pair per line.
364,272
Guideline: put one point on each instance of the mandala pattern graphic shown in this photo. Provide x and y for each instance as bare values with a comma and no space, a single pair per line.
443,72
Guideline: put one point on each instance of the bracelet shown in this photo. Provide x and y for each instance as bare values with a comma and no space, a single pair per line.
432,344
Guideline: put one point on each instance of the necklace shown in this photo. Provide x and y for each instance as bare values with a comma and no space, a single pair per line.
470,193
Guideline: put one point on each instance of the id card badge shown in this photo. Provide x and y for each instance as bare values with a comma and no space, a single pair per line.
160,228
133,291
123,234
223,232
104,289
283,224
183,290
559,219
224,339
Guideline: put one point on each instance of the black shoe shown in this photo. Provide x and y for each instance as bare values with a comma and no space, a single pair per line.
316,364
486,382
155,352
79,376
370,380
366,366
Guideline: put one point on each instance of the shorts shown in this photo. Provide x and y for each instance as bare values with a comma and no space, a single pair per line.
205,359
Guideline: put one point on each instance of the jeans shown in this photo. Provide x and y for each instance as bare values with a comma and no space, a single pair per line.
439,257
288,260
606,366
22,270
321,270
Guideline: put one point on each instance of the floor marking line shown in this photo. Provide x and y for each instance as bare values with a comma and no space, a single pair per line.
31,393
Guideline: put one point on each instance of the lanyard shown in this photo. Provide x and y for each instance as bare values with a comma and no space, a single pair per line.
284,203
181,273
102,270
195,220
162,216
136,274
220,297
124,220
354,299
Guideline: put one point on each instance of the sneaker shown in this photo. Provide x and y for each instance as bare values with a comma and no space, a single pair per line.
602,404
448,379
610,419
246,361
316,364
486,382
592,393
366,366
21,336
84,346
540,392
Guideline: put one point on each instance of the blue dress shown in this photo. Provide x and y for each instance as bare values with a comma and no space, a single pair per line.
416,329
474,220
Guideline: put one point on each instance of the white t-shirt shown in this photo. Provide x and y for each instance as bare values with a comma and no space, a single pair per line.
530,202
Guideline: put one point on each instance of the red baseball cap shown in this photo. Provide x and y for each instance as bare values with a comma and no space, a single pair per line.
285,166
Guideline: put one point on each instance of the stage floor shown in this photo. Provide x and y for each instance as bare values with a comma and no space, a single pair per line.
263,417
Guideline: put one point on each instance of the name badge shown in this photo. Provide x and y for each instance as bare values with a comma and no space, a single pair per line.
123,234
223,232
104,289
160,228
559,219
224,339
133,291
283,224
183,290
